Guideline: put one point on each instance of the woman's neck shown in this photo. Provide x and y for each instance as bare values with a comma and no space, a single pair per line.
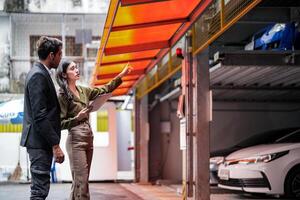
72,86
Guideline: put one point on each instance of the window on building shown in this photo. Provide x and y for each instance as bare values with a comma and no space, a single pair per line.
33,48
73,49
92,52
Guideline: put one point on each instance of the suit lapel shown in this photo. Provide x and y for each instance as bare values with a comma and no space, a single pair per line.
52,87
42,67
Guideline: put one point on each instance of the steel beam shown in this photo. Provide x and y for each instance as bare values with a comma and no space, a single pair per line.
149,24
106,76
189,113
256,88
137,139
128,60
261,58
136,47
126,78
203,113
135,2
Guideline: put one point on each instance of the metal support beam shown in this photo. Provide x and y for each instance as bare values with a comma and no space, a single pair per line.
128,60
136,47
203,113
262,58
189,109
106,76
135,2
222,13
256,88
126,78
137,144
149,24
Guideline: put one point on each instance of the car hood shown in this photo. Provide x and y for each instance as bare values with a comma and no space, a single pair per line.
262,150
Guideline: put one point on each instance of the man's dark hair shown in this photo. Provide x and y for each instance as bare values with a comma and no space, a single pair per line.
46,45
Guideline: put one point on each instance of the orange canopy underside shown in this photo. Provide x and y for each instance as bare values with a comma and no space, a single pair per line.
138,31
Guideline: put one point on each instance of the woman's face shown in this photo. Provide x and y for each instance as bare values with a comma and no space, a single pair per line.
73,72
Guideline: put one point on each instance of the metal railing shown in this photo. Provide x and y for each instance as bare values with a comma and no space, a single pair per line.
161,74
216,19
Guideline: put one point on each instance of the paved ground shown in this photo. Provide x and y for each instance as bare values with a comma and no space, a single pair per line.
125,191
103,191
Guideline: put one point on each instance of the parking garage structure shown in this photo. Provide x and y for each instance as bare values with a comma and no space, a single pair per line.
200,83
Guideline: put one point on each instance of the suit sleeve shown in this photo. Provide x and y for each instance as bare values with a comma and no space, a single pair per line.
109,87
38,95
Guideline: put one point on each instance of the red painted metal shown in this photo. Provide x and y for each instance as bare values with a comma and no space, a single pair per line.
193,17
128,60
134,2
149,24
106,76
136,48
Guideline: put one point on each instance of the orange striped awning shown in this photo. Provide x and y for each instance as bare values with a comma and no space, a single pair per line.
141,32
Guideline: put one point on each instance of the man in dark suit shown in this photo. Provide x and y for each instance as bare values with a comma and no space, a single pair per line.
41,122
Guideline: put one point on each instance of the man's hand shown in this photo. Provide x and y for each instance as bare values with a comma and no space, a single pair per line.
58,154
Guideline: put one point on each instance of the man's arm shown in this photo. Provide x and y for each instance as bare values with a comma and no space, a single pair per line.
37,87
38,102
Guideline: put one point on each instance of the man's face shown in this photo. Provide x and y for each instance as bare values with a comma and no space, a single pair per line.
56,59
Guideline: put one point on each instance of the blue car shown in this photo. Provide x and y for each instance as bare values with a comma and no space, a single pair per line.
276,37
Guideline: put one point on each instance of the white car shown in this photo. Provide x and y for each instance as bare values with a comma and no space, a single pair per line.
267,168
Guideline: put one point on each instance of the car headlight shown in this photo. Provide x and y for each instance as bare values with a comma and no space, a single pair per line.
258,159
216,160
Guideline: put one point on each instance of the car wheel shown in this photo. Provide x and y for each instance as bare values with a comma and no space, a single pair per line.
292,183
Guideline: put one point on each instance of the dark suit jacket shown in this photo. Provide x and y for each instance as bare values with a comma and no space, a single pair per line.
41,122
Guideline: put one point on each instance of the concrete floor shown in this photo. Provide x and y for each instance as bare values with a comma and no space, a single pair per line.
124,191
222,194
103,191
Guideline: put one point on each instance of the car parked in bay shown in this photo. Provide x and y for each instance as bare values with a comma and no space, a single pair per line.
266,168
265,137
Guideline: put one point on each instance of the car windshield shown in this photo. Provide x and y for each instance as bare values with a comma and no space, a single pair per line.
268,137
293,137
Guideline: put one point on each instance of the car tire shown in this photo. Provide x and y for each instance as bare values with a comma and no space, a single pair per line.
292,183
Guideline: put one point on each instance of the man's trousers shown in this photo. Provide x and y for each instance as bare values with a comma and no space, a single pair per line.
40,165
